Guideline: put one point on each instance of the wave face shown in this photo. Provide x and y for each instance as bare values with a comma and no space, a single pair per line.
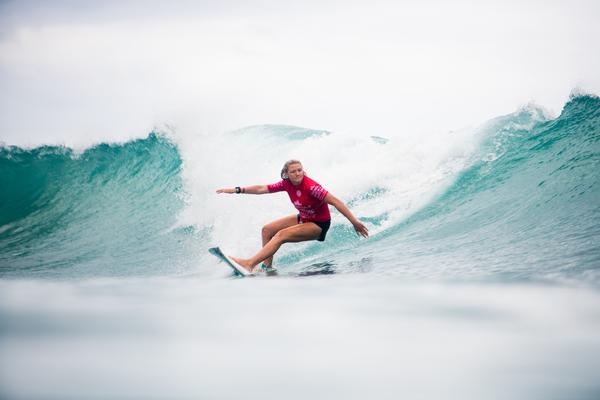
528,207
109,211
522,203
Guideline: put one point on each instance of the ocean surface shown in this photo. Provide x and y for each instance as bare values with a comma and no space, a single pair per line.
480,280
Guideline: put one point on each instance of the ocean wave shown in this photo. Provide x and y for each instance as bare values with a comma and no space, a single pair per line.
523,203
528,206
107,211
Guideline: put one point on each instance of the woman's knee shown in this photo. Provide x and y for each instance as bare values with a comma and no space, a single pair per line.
267,232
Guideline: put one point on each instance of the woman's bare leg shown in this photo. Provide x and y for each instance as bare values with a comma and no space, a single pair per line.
269,230
296,233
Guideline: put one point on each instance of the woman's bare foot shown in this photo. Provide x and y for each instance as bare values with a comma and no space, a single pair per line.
244,263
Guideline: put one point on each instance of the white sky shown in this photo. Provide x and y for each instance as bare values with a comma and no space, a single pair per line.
78,73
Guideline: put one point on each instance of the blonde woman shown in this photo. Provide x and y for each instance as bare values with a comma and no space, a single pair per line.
310,223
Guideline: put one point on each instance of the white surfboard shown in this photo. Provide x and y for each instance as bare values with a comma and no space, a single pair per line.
237,268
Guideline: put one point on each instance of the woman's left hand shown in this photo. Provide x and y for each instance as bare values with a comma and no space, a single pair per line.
361,229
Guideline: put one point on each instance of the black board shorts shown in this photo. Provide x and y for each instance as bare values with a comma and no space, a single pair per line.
324,225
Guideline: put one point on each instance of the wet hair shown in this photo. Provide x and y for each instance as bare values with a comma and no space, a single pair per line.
286,166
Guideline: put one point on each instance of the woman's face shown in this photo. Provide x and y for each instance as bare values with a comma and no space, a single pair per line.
295,173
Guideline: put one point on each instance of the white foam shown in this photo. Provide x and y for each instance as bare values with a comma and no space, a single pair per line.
406,173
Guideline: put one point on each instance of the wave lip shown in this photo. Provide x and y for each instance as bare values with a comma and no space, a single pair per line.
286,132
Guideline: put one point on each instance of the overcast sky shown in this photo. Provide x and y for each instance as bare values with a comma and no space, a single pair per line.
81,72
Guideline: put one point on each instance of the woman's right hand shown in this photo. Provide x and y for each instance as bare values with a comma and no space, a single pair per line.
226,190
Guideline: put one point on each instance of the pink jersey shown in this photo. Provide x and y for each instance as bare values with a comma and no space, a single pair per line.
308,197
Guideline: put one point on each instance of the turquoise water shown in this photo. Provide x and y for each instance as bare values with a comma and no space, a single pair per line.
480,278
105,212
527,208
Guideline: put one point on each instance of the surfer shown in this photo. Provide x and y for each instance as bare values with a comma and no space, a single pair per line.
310,223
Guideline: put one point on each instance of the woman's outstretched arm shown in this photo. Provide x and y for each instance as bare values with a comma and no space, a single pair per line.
256,189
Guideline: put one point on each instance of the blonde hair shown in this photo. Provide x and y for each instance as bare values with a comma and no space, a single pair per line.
286,166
